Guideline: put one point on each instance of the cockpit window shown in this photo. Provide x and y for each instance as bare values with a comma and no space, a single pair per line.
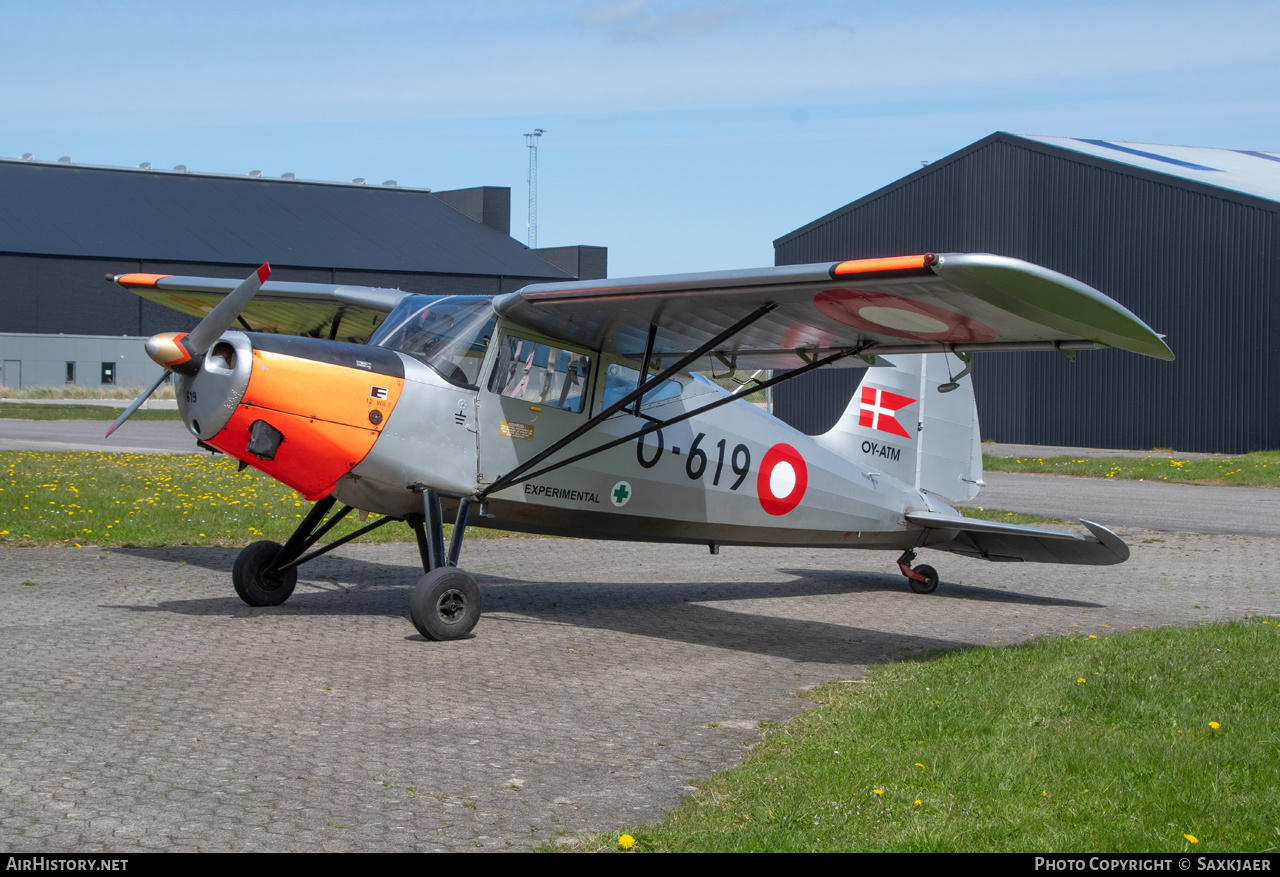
541,374
620,380
448,333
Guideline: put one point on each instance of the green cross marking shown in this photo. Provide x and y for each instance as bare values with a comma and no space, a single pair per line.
621,494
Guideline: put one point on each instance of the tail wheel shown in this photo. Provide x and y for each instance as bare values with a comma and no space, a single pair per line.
445,604
256,580
930,583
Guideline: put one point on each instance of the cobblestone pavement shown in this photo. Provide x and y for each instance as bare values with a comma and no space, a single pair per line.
143,706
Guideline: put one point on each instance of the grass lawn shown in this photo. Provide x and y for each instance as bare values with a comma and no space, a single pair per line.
1008,517
80,391
1260,469
154,499
20,411
162,499
1131,742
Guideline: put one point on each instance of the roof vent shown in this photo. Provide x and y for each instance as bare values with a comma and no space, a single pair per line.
255,174
182,168
390,183
27,156
66,159
145,166
289,176
360,181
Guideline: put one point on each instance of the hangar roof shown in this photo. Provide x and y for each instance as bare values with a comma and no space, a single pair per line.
1252,172
61,209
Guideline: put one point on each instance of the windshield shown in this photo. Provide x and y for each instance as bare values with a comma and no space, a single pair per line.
449,333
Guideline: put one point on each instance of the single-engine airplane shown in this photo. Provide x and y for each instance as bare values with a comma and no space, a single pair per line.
577,409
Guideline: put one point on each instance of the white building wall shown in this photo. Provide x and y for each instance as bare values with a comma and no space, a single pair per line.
41,360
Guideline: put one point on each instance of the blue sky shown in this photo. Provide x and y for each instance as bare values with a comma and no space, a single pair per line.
682,135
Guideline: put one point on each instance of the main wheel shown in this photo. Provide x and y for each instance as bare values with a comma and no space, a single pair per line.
256,582
930,583
445,604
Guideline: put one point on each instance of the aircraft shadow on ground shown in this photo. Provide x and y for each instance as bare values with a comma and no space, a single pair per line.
676,611
960,592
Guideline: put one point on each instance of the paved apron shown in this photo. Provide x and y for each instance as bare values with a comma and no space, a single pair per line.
143,706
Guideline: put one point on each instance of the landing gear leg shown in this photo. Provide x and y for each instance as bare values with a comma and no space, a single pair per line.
445,603
923,579
266,572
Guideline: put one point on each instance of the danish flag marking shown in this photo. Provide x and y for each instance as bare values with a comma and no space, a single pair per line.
877,408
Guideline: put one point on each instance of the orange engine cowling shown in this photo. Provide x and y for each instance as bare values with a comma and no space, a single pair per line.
310,411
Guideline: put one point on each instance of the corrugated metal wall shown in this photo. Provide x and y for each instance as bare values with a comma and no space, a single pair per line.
52,295
1196,265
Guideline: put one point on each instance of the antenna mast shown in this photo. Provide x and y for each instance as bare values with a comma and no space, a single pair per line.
531,141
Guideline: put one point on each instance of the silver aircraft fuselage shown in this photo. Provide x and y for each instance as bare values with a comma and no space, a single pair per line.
731,476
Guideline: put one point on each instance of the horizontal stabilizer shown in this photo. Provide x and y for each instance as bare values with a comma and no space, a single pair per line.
992,540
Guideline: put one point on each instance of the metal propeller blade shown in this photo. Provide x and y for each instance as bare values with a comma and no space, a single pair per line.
219,319
201,338
137,403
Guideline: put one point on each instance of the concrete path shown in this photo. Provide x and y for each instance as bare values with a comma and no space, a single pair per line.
144,707
1185,508
135,437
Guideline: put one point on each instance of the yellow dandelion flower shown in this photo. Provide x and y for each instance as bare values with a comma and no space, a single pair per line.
918,764
626,841
918,802
1093,636
1191,838
878,791
1214,725
1081,679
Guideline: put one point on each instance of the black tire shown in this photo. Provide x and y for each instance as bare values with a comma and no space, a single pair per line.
255,581
930,583
445,604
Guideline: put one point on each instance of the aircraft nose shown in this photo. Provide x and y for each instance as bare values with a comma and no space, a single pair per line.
303,410
167,349
210,386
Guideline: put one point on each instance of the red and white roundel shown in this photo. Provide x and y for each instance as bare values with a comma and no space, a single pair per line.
896,317
782,481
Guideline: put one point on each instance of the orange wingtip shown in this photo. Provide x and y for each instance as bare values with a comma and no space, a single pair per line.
892,264
140,279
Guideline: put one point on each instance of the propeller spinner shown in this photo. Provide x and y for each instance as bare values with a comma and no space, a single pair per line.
181,352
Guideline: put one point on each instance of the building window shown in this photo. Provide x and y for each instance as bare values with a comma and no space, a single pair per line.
71,373
108,373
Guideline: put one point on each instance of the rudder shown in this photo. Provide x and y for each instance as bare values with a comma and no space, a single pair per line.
900,424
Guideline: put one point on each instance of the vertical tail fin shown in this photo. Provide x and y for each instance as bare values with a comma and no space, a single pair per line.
900,424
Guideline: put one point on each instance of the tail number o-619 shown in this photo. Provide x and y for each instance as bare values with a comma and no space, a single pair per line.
696,464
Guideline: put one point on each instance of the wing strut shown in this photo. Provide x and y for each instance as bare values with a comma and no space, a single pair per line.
513,477
644,366
659,424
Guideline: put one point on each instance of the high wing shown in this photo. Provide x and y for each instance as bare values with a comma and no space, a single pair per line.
345,313
992,540
914,304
